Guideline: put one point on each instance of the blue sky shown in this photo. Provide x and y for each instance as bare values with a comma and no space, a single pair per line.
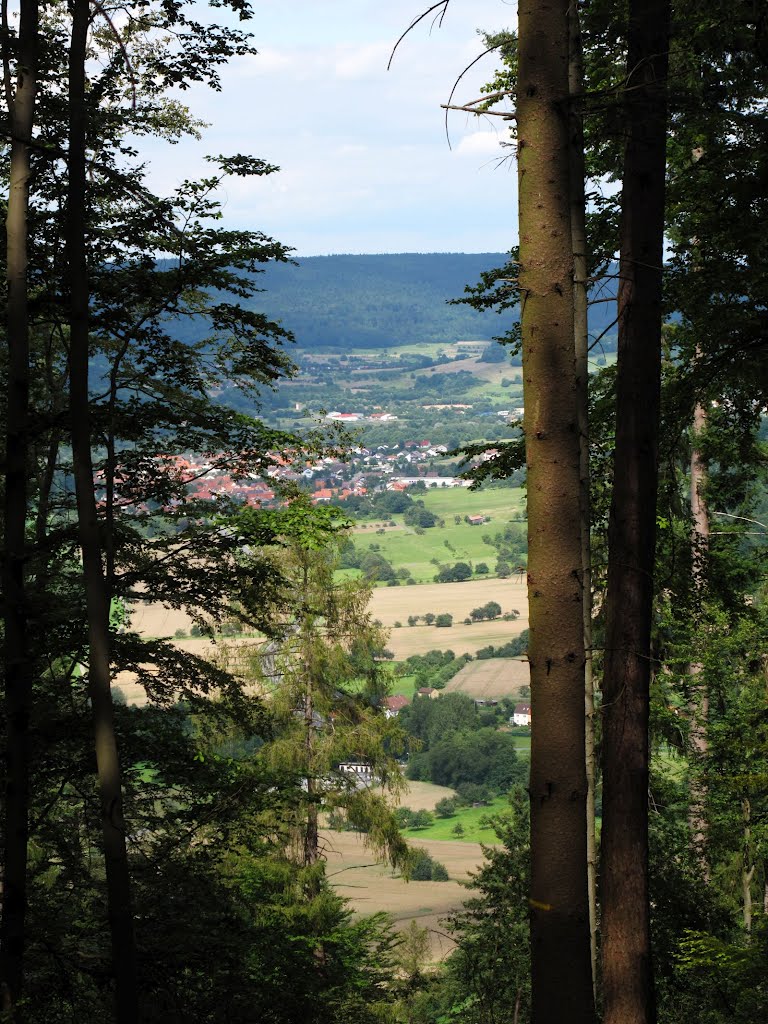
365,165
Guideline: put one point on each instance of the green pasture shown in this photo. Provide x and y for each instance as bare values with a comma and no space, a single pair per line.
471,819
523,746
454,542
497,502
403,685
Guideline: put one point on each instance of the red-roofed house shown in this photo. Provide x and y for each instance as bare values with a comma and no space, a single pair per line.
394,705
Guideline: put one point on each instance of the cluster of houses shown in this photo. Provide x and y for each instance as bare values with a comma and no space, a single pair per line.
521,716
361,417
396,467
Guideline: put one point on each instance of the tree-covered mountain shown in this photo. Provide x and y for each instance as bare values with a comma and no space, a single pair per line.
374,301
381,300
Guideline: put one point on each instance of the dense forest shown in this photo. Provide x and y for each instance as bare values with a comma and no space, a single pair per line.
163,860
381,301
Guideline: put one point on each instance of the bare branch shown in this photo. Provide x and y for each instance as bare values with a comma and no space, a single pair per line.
506,115
415,22
456,83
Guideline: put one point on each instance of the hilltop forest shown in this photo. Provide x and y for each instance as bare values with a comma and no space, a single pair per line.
167,449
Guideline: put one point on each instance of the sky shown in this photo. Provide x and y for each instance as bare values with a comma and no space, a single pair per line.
365,165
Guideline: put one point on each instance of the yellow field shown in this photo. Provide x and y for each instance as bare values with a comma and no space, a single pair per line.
389,605
370,887
423,796
395,604
492,678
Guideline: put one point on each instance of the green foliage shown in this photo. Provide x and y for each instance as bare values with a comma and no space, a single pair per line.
424,868
327,683
491,610
457,573
456,750
486,978
446,808
513,649
384,300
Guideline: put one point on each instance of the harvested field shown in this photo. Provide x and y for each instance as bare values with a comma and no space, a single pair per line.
392,604
157,620
423,796
459,639
370,887
395,604
492,678
389,605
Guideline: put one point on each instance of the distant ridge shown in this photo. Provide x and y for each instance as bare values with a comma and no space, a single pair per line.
378,300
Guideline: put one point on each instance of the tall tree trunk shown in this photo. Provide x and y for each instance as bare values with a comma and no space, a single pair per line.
581,350
561,976
628,992
16,655
747,865
96,593
699,704
311,839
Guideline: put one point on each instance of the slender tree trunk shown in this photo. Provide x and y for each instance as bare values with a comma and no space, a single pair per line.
581,349
699,706
311,833
97,596
747,865
561,976
17,658
628,992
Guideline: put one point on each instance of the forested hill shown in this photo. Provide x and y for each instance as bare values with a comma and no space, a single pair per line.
371,301
384,300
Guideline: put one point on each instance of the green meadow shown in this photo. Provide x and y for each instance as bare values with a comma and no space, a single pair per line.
454,542
472,820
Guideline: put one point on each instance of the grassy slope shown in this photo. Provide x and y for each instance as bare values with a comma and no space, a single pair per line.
455,542
471,819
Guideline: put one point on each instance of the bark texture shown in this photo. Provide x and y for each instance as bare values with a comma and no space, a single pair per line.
581,352
699,704
17,666
97,595
628,993
561,975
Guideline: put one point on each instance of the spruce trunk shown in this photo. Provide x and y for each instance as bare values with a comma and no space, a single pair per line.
581,351
699,702
628,993
96,593
16,654
561,975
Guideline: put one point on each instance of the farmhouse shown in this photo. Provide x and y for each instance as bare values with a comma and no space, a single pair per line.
394,705
362,774
428,691
522,714
477,520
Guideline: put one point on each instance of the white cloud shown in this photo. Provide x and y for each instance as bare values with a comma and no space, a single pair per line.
365,165
362,61
482,144
267,61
